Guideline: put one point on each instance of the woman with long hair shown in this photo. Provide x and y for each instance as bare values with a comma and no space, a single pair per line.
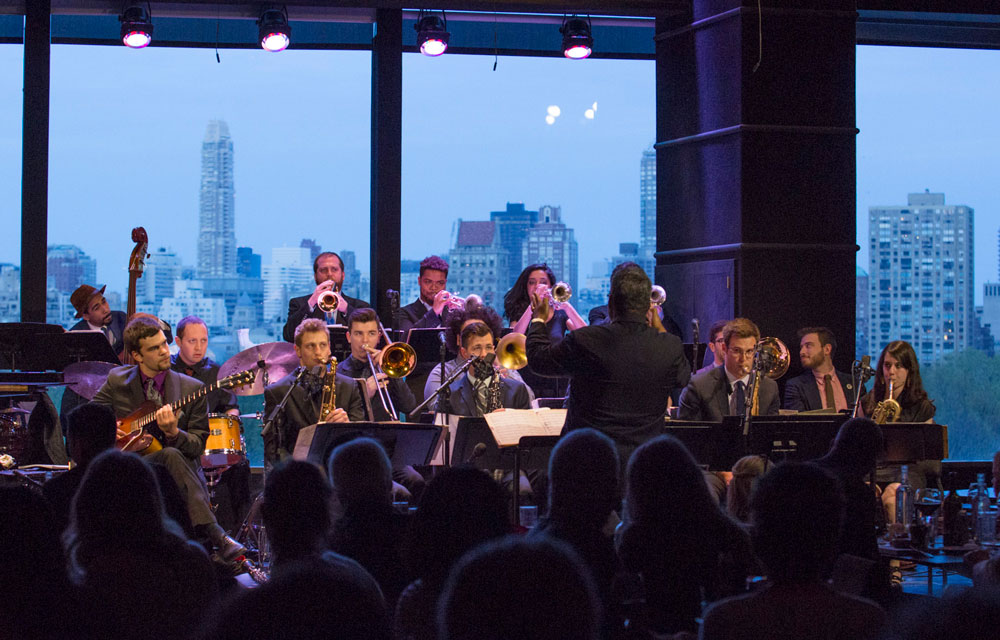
684,547
899,364
746,471
517,302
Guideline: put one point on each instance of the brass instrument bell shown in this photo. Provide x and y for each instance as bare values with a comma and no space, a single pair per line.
328,301
561,292
511,351
657,296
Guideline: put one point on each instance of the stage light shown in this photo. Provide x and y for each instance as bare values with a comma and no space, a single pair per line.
137,30
577,43
432,34
273,30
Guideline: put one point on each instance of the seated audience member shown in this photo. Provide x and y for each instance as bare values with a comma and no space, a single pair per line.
746,471
122,549
90,429
461,508
676,538
969,614
307,601
796,511
36,599
583,495
370,531
530,589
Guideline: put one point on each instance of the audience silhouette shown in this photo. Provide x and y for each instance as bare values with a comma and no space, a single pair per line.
746,471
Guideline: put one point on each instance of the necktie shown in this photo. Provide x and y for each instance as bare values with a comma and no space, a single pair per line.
828,384
107,334
152,393
738,403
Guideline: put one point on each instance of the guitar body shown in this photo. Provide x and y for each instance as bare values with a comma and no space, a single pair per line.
138,439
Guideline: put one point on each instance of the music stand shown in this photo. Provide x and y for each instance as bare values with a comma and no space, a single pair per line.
19,342
405,443
427,346
56,351
717,445
471,432
528,445
339,347
796,437
909,442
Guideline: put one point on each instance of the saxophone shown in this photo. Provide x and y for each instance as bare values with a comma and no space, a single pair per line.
328,403
494,393
887,410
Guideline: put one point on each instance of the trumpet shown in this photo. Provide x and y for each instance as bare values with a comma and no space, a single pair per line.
453,301
328,301
657,296
397,361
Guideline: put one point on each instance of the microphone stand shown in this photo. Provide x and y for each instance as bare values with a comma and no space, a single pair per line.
280,409
861,372
444,404
393,297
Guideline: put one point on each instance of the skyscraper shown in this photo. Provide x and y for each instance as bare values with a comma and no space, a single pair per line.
862,317
288,275
511,225
647,211
921,274
477,263
217,208
552,242
163,266
69,266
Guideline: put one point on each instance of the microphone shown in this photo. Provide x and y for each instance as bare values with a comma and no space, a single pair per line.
440,335
477,453
391,294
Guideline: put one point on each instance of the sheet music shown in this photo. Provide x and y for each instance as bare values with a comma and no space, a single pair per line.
303,442
510,425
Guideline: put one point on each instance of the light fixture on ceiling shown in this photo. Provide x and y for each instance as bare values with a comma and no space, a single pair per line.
273,31
137,29
432,34
577,41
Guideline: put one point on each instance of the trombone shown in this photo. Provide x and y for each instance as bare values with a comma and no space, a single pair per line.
397,361
771,359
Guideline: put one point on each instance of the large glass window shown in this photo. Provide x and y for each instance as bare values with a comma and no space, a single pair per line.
540,160
239,171
11,106
928,218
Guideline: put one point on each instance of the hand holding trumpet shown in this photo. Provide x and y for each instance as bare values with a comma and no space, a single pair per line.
320,293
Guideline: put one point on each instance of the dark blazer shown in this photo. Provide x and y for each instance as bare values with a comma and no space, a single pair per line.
599,315
302,410
123,392
416,315
707,397
802,393
402,398
298,310
463,396
117,327
621,375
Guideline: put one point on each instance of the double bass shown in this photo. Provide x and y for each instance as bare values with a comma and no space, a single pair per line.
136,264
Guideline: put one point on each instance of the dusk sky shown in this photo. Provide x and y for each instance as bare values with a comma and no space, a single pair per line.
127,126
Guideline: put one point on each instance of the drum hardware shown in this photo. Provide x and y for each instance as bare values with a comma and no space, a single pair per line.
272,360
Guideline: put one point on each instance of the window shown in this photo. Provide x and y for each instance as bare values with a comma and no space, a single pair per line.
11,106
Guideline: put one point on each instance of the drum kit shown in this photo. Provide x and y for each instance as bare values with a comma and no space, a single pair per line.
225,445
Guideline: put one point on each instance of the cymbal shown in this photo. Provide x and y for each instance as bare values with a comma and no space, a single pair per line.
279,360
87,377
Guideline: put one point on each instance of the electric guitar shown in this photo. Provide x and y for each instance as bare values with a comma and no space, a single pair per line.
139,439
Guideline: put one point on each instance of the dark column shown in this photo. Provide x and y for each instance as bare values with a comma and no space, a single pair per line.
35,161
756,166
387,129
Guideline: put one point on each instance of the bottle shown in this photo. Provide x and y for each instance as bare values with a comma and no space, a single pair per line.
951,506
985,519
904,499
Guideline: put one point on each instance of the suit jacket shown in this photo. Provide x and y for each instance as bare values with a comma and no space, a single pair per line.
463,396
599,315
117,327
400,394
416,315
298,310
621,375
802,393
707,397
123,392
302,410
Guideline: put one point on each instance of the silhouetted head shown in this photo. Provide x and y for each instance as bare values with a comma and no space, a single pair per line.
461,508
746,471
360,472
630,293
90,429
525,588
296,509
968,614
583,478
665,488
858,445
797,511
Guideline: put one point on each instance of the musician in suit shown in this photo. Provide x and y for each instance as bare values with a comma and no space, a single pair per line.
92,307
192,360
819,386
713,356
622,373
181,431
363,334
304,388
430,309
328,272
482,389
723,391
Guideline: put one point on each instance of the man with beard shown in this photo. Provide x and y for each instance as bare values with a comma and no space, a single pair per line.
429,310
92,307
328,272
819,386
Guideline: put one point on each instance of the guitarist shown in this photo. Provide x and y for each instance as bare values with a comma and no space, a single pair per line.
182,433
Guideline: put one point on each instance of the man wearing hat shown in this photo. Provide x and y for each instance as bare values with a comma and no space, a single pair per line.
92,306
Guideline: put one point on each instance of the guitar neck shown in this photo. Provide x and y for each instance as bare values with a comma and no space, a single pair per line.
188,399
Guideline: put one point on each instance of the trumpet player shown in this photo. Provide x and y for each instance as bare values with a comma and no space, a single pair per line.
363,335
723,391
328,272
430,309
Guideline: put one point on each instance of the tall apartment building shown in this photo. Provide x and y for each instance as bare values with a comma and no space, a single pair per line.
68,266
511,225
552,242
647,211
163,267
217,204
10,292
862,317
479,263
921,271
288,275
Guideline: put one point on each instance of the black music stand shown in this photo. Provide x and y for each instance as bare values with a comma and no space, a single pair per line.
19,342
405,443
468,434
58,350
910,442
795,437
715,445
427,344
339,347
528,445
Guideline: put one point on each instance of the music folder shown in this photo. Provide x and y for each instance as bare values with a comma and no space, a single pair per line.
405,443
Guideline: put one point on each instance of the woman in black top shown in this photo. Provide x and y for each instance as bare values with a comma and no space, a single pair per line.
898,363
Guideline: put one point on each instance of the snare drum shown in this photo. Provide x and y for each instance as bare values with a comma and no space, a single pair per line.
224,446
